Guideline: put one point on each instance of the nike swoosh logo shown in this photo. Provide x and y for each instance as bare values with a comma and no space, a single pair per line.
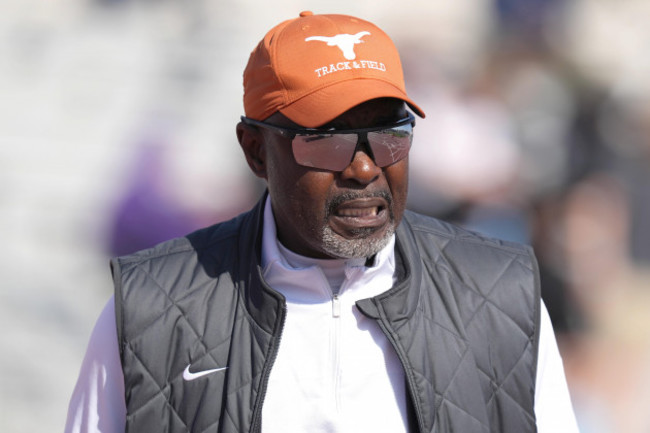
189,376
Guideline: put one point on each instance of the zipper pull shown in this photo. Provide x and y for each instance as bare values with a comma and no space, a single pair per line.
336,306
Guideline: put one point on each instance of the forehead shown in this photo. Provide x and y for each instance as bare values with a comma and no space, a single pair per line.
368,114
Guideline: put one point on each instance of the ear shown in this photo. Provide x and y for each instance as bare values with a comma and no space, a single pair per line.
253,144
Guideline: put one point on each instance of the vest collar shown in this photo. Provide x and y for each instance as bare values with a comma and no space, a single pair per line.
264,304
401,301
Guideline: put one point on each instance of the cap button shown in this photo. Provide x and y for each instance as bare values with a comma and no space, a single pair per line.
306,13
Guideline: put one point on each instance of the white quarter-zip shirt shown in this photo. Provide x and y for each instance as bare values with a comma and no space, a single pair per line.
334,366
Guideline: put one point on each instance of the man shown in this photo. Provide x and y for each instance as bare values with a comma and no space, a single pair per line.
327,307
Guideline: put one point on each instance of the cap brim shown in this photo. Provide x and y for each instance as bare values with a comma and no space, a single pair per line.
326,104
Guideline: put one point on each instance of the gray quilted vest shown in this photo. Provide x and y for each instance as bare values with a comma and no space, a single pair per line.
463,319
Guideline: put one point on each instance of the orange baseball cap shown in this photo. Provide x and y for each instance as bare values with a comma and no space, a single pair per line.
314,68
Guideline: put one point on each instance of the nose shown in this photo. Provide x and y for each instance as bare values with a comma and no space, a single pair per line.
362,169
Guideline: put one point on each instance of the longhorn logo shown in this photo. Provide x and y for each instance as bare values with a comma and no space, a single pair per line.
344,41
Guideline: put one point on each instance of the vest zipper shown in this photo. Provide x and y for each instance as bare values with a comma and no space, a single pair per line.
256,421
408,373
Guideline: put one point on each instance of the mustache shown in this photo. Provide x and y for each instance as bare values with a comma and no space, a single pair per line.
336,201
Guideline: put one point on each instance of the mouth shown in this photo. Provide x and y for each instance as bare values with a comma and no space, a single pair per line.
360,215
359,212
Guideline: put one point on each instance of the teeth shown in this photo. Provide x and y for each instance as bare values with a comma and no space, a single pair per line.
356,212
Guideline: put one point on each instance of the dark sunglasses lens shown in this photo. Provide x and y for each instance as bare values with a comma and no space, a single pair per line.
390,145
325,151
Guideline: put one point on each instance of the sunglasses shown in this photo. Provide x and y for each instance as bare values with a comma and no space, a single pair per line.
334,149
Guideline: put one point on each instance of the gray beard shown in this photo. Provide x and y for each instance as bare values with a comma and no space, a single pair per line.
361,247
337,246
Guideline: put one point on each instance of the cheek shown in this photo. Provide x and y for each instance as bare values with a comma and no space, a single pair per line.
300,191
311,190
397,179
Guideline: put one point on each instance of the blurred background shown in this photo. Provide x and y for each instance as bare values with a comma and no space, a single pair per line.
117,132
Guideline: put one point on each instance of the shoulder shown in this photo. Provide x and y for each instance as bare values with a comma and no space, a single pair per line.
479,262
199,263
222,236
448,236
